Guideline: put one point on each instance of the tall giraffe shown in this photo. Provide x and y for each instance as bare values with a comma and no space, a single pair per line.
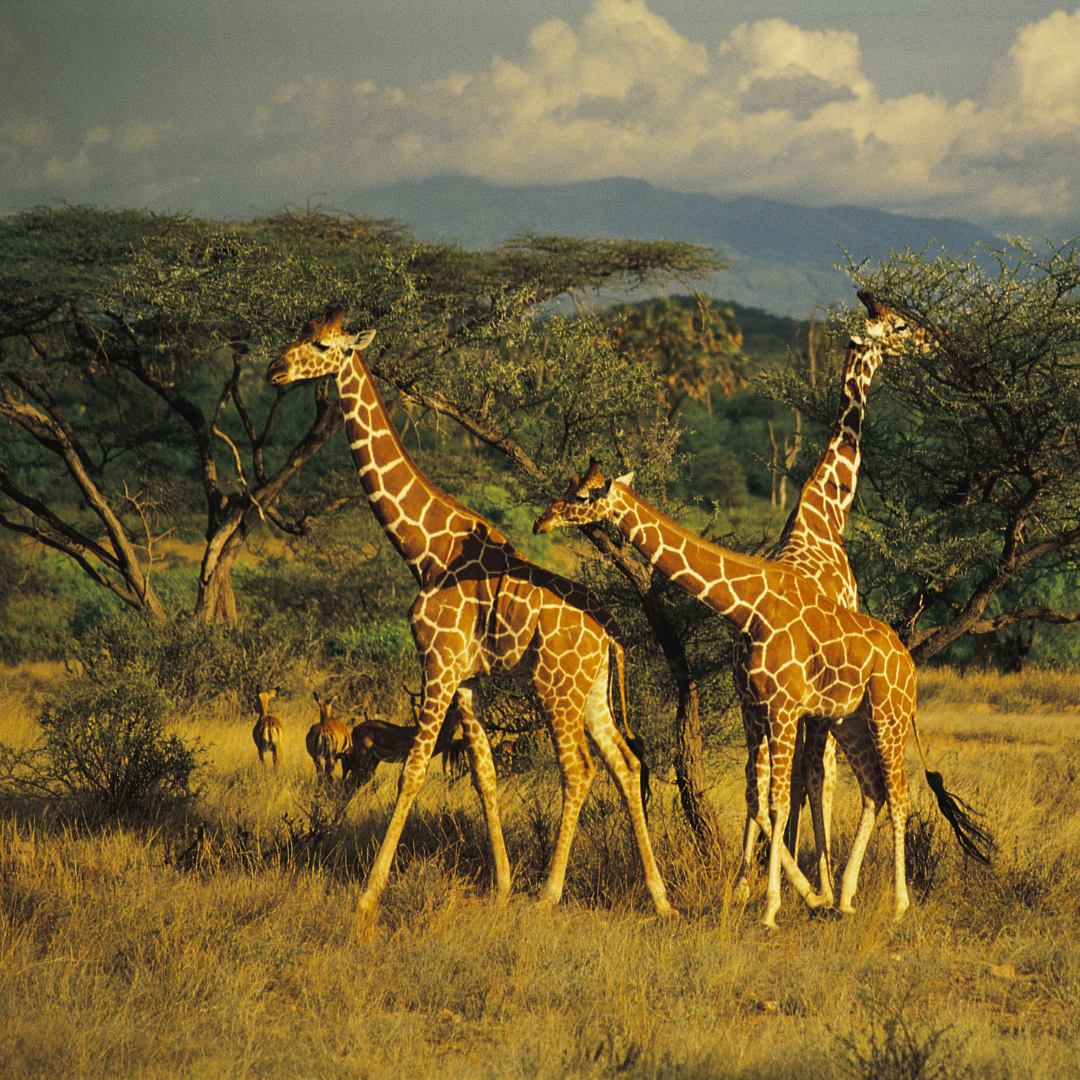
812,542
805,656
482,609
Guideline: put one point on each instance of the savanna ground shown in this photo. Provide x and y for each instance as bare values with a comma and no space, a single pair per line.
154,949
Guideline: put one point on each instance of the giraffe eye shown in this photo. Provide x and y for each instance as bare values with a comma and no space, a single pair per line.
582,496
321,346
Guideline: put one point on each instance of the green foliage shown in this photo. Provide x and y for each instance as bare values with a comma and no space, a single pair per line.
378,668
189,661
378,642
972,474
108,747
693,343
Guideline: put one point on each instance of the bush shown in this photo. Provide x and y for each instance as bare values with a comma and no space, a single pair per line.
378,662
188,660
107,746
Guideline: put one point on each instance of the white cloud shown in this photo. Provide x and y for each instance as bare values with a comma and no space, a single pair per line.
773,110
1045,62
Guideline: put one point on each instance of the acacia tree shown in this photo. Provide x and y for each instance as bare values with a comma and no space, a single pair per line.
972,452
127,370
123,405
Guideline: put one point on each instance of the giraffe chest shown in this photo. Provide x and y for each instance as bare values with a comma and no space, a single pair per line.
486,625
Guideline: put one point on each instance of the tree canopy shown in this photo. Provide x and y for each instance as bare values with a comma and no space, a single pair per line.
971,490
131,349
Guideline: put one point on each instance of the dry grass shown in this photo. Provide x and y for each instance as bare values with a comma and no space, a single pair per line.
137,951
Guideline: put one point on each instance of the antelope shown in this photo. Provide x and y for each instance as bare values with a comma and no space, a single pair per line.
328,740
379,740
268,730
503,756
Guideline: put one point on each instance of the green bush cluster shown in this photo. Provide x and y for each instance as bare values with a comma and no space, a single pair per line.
190,661
107,747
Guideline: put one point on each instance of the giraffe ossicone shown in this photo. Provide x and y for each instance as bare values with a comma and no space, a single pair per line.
805,655
482,609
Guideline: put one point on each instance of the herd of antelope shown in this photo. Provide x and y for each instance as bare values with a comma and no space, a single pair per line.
330,741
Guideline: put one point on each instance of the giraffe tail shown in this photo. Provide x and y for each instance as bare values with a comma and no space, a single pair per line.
975,841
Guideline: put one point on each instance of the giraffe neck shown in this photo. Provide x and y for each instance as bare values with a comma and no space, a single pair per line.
730,583
820,515
424,524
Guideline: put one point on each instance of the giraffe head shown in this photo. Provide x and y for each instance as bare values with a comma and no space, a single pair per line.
586,500
894,332
321,349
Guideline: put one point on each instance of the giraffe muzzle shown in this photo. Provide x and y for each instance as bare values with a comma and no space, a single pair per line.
277,374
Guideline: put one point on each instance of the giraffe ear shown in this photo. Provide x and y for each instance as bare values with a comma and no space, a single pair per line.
362,340
627,480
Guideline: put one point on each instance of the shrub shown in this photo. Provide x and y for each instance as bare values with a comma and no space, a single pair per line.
888,1045
107,746
188,660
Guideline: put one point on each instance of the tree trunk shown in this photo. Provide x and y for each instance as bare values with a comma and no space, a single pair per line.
690,770
216,600
689,746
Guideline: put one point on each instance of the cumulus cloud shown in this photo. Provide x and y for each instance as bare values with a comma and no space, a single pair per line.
772,110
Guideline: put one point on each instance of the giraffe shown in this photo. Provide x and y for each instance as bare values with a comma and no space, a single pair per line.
268,730
805,655
481,609
812,542
328,740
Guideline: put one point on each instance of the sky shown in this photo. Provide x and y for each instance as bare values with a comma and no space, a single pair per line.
967,109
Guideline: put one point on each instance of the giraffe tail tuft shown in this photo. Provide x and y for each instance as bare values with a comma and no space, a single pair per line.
637,748
974,840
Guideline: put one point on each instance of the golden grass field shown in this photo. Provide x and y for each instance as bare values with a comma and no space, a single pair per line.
135,950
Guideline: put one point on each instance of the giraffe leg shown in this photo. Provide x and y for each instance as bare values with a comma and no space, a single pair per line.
779,856
860,748
626,770
577,771
819,764
891,741
850,881
435,701
757,797
484,782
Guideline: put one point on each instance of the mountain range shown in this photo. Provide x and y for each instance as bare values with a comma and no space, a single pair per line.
784,258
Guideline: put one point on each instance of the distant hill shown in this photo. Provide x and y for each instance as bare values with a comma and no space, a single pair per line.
783,256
